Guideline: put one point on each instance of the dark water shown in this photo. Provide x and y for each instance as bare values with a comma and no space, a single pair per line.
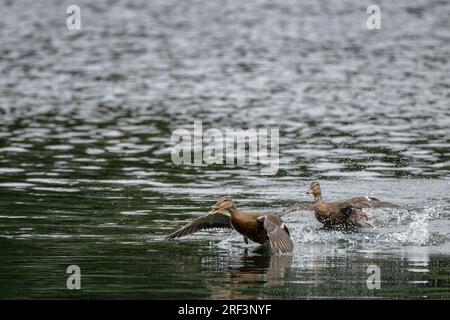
86,118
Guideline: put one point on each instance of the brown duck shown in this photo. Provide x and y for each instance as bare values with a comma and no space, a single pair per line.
341,213
267,228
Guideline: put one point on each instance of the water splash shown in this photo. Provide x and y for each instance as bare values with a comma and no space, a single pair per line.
417,232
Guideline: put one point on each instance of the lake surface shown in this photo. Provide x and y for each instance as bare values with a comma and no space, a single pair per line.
86,118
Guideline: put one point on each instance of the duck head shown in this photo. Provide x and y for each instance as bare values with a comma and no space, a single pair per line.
224,203
314,189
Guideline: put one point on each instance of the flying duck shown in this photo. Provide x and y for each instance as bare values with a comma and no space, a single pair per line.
263,229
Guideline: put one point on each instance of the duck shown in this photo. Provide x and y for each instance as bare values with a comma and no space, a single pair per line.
260,228
363,202
341,213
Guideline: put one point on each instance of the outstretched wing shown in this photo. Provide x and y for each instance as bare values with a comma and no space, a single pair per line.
370,202
357,202
208,221
278,234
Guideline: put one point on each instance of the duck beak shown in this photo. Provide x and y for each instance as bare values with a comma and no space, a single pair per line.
308,192
215,209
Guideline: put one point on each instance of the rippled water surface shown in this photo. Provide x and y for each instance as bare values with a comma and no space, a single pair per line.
86,117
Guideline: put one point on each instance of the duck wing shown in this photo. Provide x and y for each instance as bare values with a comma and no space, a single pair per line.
278,233
370,202
207,221
304,206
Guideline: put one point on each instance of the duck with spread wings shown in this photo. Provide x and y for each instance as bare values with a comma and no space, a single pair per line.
263,229
341,213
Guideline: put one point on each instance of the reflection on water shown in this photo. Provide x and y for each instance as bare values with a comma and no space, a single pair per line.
268,270
86,119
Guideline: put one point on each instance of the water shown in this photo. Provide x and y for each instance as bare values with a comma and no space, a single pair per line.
85,124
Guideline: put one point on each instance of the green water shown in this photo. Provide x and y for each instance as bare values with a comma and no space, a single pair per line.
86,118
